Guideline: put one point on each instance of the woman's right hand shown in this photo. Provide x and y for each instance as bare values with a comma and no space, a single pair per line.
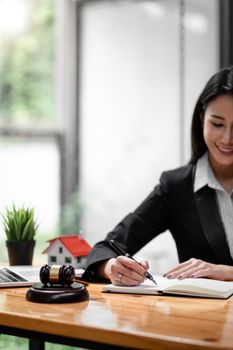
124,271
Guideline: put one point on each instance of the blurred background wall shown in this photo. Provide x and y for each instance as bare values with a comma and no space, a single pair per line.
96,99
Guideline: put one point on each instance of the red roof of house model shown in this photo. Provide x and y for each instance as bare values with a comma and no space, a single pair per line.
75,245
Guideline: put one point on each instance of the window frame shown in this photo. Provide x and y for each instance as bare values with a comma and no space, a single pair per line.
225,33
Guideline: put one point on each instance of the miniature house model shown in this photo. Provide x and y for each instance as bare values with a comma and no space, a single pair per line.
67,250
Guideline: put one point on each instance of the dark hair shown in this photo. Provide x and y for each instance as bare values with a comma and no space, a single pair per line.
219,84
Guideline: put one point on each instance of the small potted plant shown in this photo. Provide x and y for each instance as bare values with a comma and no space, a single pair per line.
20,228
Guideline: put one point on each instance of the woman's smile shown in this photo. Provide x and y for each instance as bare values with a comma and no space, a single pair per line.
225,150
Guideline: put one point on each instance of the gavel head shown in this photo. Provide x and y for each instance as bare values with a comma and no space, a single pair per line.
57,274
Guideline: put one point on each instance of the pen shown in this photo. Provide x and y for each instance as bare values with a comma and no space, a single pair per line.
115,247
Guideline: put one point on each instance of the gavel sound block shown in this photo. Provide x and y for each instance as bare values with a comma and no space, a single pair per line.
57,286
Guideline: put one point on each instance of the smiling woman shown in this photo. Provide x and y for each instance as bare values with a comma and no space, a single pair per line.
194,202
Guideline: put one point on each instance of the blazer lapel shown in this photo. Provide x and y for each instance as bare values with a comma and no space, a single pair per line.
211,223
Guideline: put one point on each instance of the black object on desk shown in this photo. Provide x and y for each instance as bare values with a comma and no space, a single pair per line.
40,293
57,286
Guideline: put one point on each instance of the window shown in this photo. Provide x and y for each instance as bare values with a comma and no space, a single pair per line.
60,250
79,259
53,259
33,120
68,260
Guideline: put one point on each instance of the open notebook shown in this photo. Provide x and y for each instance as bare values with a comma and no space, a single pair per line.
17,276
199,287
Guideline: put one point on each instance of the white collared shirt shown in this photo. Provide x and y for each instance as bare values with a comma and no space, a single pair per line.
204,176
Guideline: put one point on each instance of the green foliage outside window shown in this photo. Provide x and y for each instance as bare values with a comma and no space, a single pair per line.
27,70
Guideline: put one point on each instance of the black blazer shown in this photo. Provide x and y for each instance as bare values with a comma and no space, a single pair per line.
192,218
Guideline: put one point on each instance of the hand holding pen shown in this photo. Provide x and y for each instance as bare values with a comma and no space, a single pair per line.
119,251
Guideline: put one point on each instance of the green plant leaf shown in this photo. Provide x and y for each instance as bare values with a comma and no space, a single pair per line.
19,224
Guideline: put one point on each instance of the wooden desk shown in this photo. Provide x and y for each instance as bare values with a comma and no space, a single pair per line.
111,321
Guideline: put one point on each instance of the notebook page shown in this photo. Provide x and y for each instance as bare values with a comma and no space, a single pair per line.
196,285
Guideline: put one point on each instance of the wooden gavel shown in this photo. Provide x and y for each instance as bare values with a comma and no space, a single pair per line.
57,274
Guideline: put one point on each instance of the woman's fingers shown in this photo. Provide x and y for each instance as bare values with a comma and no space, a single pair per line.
144,264
190,268
126,271
182,267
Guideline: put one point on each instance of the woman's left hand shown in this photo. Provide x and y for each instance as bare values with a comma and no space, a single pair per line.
196,268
